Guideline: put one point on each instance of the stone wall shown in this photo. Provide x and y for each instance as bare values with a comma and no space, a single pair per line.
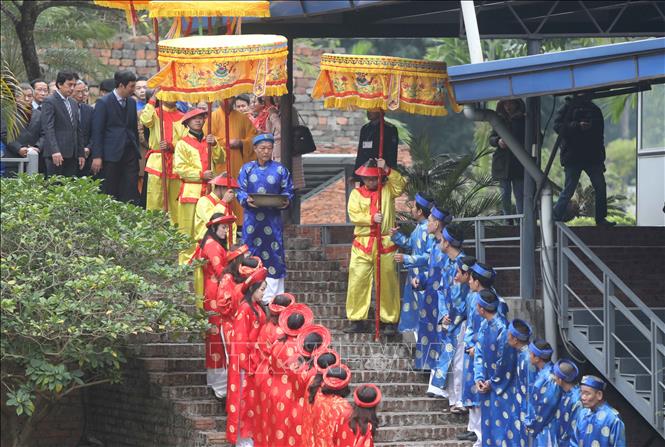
330,128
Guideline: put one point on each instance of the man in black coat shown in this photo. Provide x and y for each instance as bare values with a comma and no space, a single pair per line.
62,149
85,111
115,139
581,126
368,144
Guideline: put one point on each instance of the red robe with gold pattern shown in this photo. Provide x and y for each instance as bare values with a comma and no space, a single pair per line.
329,413
229,296
345,437
285,409
242,393
215,255
267,338
307,422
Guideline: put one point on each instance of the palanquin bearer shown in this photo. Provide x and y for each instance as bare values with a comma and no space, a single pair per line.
565,374
173,131
217,201
193,164
599,424
418,245
262,227
370,224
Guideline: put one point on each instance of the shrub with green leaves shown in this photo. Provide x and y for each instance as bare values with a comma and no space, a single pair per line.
81,273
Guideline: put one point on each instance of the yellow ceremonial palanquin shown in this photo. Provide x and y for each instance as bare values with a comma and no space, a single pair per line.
189,162
240,128
361,207
205,208
174,130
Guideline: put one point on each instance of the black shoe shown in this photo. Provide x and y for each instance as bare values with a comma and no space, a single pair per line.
389,329
465,435
472,437
605,223
356,327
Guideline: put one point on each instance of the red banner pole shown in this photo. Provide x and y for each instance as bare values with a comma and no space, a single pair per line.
162,137
379,246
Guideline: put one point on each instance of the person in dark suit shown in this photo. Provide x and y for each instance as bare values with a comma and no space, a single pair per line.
85,111
368,144
62,151
115,139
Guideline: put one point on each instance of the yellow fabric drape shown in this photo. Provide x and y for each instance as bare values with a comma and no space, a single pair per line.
362,268
226,8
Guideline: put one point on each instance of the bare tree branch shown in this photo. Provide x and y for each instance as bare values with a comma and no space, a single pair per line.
9,13
45,4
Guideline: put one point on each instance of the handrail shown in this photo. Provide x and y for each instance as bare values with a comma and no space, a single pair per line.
611,275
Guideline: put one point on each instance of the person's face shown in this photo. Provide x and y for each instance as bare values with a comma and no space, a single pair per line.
257,105
25,96
257,296
444,244
264,151
415,212
140,89
534,359
371,183
52,87
461,277
222,231
67,88
241,106
474,284
432,225
79,92
41,90
558,380
373,116
590,397
125,91
512,341
196,123
510,107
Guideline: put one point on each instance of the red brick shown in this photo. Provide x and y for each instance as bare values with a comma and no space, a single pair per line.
114,62
342,120
323,120
118,44
105,52
150,54
126,62
140,54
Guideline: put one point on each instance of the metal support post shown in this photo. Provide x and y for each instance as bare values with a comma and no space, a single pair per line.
609,323
286,121
548,263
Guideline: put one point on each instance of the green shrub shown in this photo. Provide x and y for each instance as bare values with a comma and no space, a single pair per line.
81,273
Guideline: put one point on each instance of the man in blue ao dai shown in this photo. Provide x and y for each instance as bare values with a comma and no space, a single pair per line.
262,228
488,352
448,375
427,347
519,334
565,373
418,245
599,424
545,396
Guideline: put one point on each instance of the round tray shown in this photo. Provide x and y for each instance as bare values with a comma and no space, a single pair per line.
268,200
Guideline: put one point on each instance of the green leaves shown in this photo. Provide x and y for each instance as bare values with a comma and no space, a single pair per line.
81,273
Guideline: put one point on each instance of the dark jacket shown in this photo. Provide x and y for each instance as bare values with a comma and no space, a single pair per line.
505,166
580,148
366,150
85,114
61,134
114,128
30,135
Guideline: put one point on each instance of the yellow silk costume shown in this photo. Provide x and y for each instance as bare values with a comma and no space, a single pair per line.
361,208
205,208
150,120
190,160
240,128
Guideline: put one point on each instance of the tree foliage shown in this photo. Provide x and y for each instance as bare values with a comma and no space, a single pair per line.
81,273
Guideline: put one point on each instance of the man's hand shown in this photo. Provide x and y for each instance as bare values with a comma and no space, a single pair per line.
394,230
472,351
81,162
163,146
208,175
378,218
446,320
229,195
96,165
285,202
502,144
57,159
381,164
235,143
250,202
482,387
86,152
415,282
210,139
399,257
23,152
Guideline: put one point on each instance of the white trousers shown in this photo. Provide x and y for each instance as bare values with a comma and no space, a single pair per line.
217,380
474,424
435,389
274,286
456,374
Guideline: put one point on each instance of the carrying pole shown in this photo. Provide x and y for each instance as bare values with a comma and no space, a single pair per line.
379,235
162,137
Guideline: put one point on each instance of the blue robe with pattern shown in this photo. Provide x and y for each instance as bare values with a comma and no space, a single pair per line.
566,416
505,407
600,428
418,244
262,228
525,376
452,303
473,320
427,344
545,399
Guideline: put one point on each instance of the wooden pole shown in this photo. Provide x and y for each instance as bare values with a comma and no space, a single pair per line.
227,147
162,137
379,242
209,119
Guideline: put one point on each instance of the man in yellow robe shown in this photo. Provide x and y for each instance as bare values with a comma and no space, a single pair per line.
370,224
216,202
173,131
241,132
190,163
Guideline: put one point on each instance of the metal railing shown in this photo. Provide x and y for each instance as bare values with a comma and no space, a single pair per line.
29,164
643,322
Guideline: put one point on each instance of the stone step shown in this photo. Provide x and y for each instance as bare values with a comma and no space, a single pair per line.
317,275
174,337
165,364
294,266
320,297
212,423
192,407
178,378
395,389
304,255
211,439
413,403
171,350
297,243
406,419
297,287
431,443
186,392
417,433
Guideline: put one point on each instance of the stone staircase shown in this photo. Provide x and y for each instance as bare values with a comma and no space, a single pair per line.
173,370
